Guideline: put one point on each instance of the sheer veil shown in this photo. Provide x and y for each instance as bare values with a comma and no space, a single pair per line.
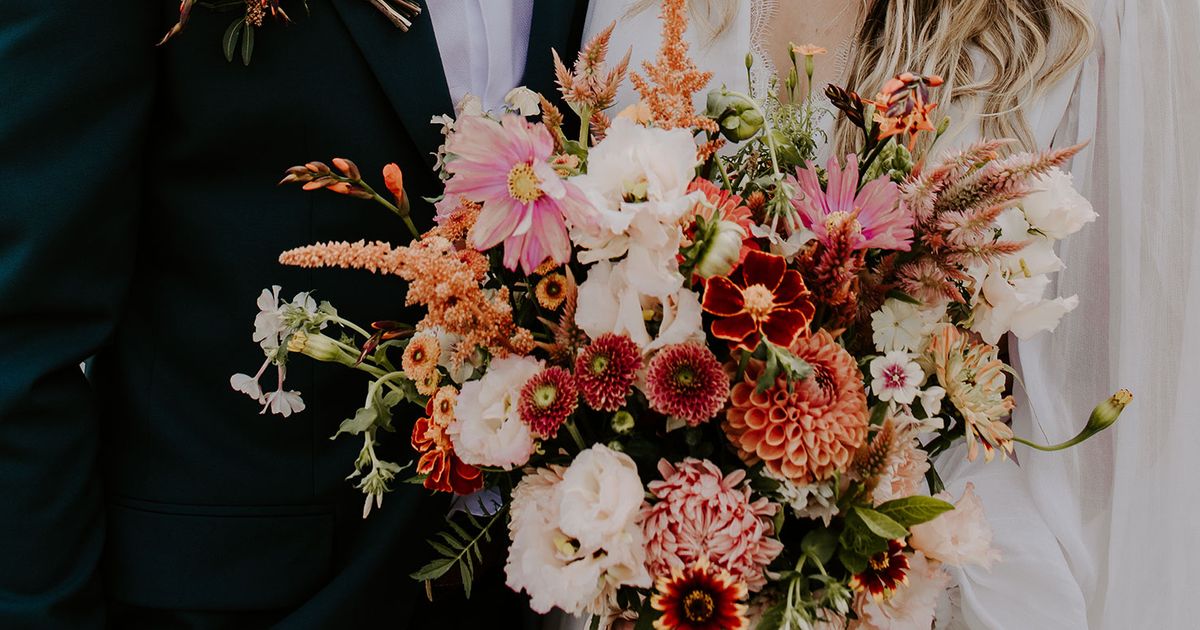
1126,506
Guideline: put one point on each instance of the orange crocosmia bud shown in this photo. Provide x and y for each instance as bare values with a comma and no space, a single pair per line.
341,187
393,178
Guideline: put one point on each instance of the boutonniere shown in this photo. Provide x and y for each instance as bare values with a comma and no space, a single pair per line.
240,34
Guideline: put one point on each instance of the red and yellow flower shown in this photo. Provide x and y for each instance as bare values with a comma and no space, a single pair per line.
885,571
700,597
761,299
443,470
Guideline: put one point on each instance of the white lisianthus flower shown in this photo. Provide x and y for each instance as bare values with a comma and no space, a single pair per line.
487,429
895,376
601,494
898,325
1057,209
549,560
960,536
469,105
524,101
610,302
1010,292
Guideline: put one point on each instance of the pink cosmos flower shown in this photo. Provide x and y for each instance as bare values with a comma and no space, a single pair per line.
526,205
882,220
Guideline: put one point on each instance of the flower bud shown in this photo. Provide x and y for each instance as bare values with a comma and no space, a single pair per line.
723,250
1107,412
622,422
616,446
316,346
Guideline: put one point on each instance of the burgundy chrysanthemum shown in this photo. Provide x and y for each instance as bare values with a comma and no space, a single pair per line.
606,369
548,400
686,381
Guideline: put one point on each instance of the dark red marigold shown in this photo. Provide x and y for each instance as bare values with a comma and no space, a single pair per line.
687,381
700,597
885,570
548,400
761,298
606,369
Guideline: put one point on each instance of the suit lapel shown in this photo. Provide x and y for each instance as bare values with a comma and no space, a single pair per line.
407,66
558,25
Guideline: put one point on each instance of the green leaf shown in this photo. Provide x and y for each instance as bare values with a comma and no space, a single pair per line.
230,39
820,544
915,510
433,570
464,567
880,524
859,538
247,45
451,541
878,413
854,562
904,297
363,419
443,549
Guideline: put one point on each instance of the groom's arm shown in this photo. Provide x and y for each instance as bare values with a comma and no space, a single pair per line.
75,90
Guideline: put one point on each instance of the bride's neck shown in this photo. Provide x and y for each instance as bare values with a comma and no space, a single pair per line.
830,24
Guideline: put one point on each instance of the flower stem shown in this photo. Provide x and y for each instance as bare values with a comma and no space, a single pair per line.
585,121
574,431
1078,439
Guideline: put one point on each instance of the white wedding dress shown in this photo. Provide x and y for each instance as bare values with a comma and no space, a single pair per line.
1103,535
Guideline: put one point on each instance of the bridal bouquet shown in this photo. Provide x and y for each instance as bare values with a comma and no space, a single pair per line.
695,378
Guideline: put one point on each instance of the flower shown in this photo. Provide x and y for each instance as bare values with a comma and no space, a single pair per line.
421,356
673,78
552,290
763,298
810,431
903,473
610,301
548,560
1057,209
523,100
686,381
808,50
885,571
548,400
931,400
700,597
960,536
895,376
881,219
601,494
903,106
443,470
899,325
909,608
973,377
526,205
487,429
812,500
606,370
704,515
728,235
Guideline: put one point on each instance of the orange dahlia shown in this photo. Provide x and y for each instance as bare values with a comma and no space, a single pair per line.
761,298
442,469
700,597
811,432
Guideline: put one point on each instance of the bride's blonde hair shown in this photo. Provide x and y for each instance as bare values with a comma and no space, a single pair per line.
1026,46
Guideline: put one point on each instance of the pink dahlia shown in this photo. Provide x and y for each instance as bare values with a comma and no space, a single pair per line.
504,165
606,369
686,381
701,513
548,400
882,221
804,433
